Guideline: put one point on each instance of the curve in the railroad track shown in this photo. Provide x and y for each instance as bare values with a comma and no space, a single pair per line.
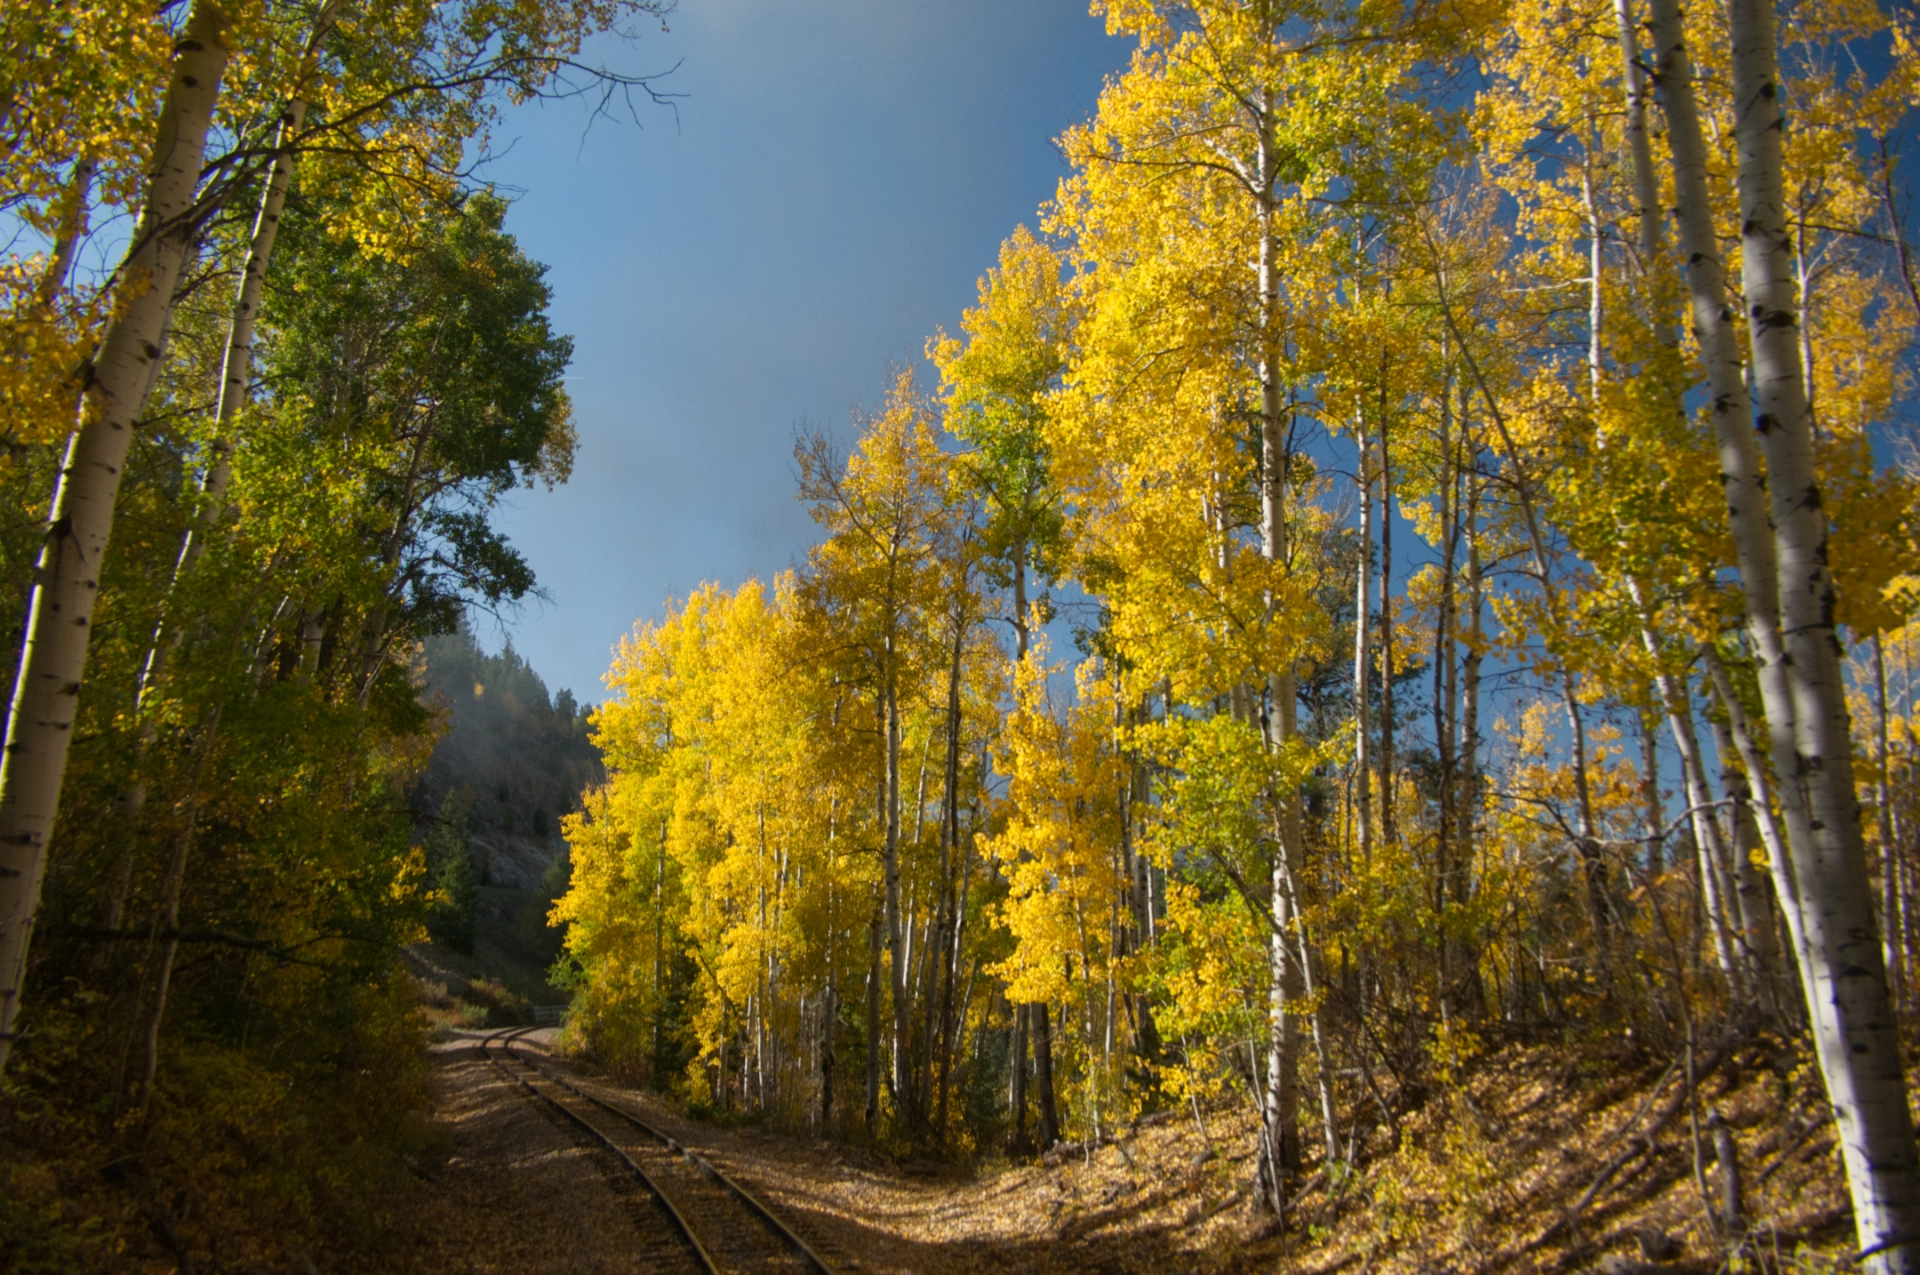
702,1204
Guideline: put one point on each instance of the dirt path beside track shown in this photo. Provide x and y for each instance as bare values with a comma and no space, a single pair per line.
515,1193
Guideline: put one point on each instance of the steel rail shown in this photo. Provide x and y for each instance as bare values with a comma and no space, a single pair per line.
666,1203
746,1197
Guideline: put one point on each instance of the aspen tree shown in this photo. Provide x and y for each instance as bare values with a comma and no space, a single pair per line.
996,385
236,387
1363,654
883,512
1858,1041
40,722
236,378
1843,971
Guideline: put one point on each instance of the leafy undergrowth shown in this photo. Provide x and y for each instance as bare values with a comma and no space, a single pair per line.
291,1153
1529,1157
1534,1158
458,994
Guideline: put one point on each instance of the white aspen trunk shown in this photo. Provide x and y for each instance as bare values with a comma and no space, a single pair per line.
957,922
1383,764
73,226
169,926
1731,409
1646,189
1716,884
46,694
1716,879
1363,659
1656,819
1647,217
1448,877
1842,967
1599,894
1596,264
920,800
874,940
1891,936
654,1068
1280,1102
1858,1041
1323,1067
896,938
1803,276
1469,802
1756,918
940,978
1779,856
236,380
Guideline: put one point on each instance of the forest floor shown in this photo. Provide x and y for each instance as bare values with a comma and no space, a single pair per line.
1540,1158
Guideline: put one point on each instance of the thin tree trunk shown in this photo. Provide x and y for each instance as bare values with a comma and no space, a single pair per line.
1596,265
1017,1045
902,1070
1779,854
1716,884
1040,1020
1716,879
52,664
829,1018
1470,686
66,241
1646,187
1363,659
1656,817
1599,894
168,921
873,1019
948,1025
1017,1084
1280,1102
1385,765
236,381
1756,916
1444,688
1892,939
940,991
659,954
124,834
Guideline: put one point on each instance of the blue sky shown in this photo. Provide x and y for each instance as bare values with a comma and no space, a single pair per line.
841,174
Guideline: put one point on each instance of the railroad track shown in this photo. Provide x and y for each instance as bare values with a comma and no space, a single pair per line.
702,1206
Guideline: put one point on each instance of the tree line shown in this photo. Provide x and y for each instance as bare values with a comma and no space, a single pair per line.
271,368
1466,443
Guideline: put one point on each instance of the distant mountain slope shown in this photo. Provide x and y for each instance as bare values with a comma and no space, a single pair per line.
525,758
511,763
